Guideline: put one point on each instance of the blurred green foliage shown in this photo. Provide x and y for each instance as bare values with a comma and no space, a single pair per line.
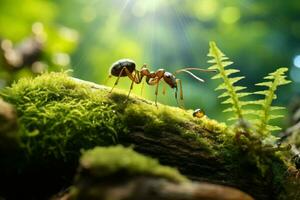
259,36
31,40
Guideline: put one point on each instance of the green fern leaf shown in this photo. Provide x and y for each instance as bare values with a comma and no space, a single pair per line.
261,93
232,119
232,92
225,94
273,128
277,78
275,117
218,76
267,84
221,87
244,94
277,108
228,101
231,71
245,103
226,63
236,79
252,112
229,110
239,88
257,102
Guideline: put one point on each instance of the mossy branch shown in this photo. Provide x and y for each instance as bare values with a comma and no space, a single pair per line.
60,115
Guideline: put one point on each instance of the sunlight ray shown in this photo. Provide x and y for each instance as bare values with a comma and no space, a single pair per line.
125,5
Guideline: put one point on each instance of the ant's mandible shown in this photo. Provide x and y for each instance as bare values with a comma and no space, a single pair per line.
127,67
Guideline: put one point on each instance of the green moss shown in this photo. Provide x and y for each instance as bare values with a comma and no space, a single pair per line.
107,161
59,116
171,119
207,133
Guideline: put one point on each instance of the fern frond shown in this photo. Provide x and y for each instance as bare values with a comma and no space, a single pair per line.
277,108
274,80
273,128
243,94
239,88
225,94
223,86
233,119
232,93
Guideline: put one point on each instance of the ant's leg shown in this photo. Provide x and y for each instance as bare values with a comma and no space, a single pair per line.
180,92
136,78
131,86
156,93
176,91
143,83
117,81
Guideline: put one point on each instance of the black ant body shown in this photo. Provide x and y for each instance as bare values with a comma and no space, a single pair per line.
127,67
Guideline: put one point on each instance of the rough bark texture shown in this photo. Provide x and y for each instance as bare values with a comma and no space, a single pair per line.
197,165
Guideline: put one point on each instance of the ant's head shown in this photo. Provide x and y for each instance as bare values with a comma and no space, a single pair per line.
170,79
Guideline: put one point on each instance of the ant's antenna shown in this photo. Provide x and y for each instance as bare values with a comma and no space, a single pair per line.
198,69
186,70
193,75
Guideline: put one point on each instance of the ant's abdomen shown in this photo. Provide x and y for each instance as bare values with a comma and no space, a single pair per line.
116,68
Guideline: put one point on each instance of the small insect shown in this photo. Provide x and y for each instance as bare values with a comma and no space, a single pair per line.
127,67
199,113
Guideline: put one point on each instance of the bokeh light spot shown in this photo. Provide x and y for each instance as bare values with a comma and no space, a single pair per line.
6,45
69,34
230,15
61,59
297,61
39,67
206,9
38,28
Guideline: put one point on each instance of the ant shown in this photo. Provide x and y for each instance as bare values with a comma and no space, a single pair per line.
127,67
